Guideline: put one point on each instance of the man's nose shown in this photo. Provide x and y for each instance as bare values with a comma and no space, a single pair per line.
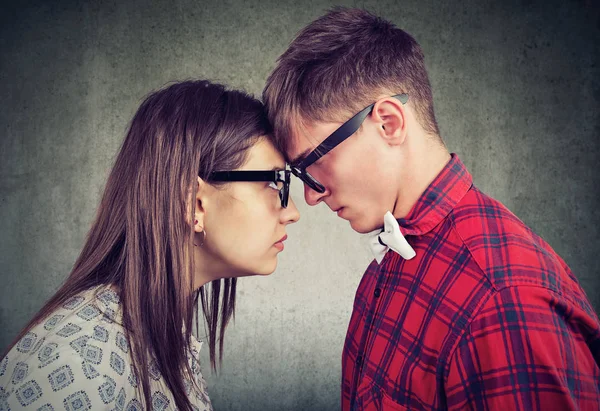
313,197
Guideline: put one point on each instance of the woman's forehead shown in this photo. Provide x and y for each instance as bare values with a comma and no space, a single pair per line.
263,156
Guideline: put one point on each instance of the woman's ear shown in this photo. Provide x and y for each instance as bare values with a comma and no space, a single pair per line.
390,116
200,205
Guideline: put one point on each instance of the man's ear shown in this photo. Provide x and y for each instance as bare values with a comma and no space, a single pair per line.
390,116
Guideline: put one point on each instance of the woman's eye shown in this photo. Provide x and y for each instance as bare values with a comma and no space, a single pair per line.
273,185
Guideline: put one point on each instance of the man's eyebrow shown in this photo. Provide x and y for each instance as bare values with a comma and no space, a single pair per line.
302,156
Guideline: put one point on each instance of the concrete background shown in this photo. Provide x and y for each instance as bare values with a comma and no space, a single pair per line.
517,96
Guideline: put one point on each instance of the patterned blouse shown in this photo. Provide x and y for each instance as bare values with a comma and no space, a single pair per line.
78,359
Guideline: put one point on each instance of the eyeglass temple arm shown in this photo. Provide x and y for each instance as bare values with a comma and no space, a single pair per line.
343,132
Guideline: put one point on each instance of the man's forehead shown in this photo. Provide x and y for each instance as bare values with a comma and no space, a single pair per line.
298,149
305,138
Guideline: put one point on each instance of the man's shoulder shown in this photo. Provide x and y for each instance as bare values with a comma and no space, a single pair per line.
504,247
477,207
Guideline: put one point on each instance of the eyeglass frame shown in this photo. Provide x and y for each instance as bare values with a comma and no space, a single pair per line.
298,168
274,176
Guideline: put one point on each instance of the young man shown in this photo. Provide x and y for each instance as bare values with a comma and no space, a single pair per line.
473,310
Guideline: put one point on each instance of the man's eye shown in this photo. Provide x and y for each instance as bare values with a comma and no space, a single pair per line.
274,185
319,161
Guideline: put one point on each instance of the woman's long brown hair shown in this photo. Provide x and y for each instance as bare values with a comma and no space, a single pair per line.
141,241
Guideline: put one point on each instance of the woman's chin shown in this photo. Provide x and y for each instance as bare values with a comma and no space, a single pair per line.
263,270
267,270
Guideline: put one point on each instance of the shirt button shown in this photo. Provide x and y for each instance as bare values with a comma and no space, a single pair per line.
377,292
359,360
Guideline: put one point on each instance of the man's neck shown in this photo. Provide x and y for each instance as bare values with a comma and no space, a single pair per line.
423,167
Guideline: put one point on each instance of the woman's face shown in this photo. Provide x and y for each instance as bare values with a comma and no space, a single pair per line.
244,222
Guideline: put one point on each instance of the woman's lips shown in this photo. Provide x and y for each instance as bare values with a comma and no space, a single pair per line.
279,244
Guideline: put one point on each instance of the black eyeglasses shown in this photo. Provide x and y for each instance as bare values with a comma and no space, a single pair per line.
280,177
342,133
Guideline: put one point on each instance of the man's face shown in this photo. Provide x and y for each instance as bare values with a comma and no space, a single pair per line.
358,177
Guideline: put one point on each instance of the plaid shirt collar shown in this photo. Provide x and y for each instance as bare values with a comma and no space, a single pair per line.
438,200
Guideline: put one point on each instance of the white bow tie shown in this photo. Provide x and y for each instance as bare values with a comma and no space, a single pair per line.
392,237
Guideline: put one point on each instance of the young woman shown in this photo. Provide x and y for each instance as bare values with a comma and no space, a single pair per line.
197,195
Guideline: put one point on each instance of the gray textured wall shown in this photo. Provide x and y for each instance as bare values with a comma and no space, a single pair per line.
517,94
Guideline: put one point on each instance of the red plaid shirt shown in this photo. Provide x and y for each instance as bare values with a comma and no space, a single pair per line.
485,317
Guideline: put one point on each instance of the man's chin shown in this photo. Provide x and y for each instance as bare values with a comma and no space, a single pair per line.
360,226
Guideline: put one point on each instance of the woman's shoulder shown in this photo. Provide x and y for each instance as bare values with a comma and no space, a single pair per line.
197,389
92,316
77,355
